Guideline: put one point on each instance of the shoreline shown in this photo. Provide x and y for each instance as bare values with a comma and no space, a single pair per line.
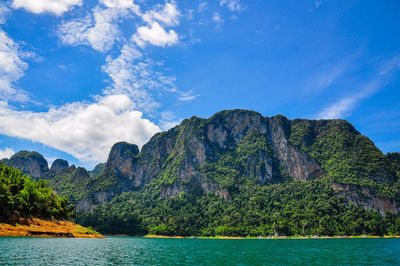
270,237
34,227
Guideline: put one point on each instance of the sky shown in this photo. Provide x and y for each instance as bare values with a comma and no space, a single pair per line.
77,76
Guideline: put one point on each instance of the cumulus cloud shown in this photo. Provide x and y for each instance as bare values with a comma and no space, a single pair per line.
155,35
6,153
56,7
12,67
99,28
84,130
232,5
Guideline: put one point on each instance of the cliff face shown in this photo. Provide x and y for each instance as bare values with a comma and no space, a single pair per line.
58,166
210,154
188,155
32,163
213,155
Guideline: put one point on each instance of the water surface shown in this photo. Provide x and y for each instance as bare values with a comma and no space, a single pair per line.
147,251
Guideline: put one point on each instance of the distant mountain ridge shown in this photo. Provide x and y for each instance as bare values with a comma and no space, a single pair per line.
220,154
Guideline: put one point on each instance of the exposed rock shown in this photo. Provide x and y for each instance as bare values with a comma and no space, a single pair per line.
122,159
264,149
180,153
58,167
31,162
296,163
363,196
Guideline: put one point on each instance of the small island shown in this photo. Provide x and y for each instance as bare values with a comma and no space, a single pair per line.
31,208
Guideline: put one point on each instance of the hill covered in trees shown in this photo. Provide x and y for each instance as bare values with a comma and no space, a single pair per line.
20,196
239,173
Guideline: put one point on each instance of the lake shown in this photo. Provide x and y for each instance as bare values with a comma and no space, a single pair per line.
149,251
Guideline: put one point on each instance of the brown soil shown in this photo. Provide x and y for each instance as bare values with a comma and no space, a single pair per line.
44,228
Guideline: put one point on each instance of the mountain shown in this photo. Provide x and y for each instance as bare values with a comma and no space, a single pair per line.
31,162
22,197
240,173
210,153
97,170
58,166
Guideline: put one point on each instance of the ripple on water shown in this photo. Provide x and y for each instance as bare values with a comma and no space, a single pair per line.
146,251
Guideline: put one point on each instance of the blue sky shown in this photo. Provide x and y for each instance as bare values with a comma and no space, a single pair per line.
77,76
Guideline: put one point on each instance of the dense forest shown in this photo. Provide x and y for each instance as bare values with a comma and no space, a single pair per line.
280,205
295,208
20,196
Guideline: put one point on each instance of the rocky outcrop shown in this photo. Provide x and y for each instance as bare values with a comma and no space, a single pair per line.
122,160
58,166
199,153
31,162
363,196
178,155
295,163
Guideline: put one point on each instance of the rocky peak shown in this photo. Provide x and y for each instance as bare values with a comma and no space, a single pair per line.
58,166
122,158
80,173
31,162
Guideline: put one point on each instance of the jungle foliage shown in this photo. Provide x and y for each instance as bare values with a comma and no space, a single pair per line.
23,197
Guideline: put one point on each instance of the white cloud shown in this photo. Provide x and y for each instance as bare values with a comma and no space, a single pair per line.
341,108
137,77
168,15
12,67
84,130
57,7
345,106
119,4
232,5
323,80
155,35
187,96
99,28
6,153
217,18
4,12
202,6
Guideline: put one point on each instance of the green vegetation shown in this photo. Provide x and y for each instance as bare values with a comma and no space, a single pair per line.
272,205
22,197
72,183
97,170
295,208
346,156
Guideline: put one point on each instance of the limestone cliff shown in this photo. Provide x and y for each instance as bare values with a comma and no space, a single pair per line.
58,166
212,155
200,154
31,162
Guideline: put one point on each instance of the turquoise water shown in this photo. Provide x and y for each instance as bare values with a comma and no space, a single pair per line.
145,251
